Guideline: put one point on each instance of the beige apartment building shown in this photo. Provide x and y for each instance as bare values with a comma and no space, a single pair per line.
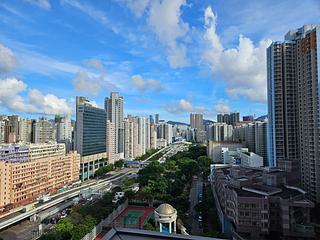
29,171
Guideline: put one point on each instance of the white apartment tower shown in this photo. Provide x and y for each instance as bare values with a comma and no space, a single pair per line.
64,132
113,106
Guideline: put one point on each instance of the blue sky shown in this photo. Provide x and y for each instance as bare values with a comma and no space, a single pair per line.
170,57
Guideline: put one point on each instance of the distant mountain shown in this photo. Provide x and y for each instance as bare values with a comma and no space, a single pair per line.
177,123
207,122
262,118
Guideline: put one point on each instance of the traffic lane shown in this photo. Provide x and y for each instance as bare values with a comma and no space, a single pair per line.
196,190
16,217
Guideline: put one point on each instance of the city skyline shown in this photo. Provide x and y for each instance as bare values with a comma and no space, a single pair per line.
186,72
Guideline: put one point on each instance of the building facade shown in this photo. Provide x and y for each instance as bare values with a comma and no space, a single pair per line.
293,106
259,204
43,131
90,140
113,106
30,171
196,121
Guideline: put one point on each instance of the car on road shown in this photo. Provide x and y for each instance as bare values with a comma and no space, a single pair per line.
200,218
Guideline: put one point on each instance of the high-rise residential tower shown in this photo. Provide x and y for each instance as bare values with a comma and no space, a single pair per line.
64,131
43,131
293,106
234,118
157,118
113,106
196,121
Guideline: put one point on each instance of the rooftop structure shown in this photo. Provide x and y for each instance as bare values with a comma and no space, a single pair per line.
257,203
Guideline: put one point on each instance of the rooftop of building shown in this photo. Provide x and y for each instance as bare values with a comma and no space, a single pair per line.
257,188
137,234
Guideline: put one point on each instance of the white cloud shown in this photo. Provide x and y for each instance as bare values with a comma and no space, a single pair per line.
44,4
85,83
144,85
244,67
7,59
165,21
92,83
222,107
137,6
11,90
183,105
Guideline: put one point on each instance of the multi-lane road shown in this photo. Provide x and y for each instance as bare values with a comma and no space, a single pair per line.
56,199
95,185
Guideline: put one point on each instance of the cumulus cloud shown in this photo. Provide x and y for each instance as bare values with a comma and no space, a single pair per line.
11,90
44,4
144,85
165,21
222,107
92,83
243,67
7,59
183,105
85,83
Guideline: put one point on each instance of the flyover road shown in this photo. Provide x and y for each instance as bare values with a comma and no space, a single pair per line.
56,199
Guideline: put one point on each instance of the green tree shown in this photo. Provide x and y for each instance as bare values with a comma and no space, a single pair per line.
119,164
151,172
103,170
64,225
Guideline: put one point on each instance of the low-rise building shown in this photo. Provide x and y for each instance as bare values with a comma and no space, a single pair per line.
215,149
30,171
243,157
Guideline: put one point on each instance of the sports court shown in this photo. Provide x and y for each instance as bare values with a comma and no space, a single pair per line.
134,217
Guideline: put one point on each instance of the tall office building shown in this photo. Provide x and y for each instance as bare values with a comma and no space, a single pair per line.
196,121
293,106
113,106
90,136
90,128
